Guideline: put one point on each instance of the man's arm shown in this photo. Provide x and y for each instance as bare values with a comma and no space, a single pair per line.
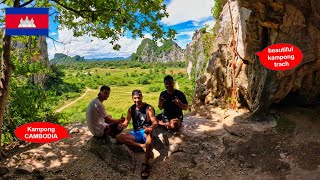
127,119
109,119
153,119
160,103
178,102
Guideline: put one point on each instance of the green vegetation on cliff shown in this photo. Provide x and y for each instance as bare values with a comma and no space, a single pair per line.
149,48
60,58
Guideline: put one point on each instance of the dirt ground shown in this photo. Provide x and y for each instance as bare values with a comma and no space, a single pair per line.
225,145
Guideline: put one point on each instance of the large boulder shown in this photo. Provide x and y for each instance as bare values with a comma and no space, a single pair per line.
119,157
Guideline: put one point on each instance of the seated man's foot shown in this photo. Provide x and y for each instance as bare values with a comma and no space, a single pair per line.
164,124
145,172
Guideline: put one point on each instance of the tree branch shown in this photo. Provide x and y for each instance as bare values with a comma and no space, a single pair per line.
79,12
69,8
56,12
26,3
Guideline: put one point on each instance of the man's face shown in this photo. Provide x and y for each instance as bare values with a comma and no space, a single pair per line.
169,84
104,94
137,99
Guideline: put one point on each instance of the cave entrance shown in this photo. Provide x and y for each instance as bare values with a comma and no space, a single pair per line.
296,99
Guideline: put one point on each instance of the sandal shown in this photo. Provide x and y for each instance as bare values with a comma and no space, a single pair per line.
145,172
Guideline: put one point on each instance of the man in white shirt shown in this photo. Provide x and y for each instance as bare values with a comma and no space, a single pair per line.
98,121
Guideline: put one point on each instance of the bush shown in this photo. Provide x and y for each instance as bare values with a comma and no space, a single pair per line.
154,89
130,81
134,74
108,74
122,83
143,80
216,10
112,83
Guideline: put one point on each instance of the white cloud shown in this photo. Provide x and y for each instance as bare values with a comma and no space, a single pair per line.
90,47
53,34
210,23
188,33
185,10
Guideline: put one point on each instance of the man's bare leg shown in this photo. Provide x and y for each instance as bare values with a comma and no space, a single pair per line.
128,139
149,146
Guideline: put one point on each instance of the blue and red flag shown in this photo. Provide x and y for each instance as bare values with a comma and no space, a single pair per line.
27,21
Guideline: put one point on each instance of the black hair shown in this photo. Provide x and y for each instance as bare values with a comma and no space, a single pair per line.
168,78
105,88
136,92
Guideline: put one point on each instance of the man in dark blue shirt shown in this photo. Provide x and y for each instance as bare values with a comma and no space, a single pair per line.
172,101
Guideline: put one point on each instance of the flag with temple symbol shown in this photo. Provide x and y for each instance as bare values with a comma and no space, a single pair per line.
27,21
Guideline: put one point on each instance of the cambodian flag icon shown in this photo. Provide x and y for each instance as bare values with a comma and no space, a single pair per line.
27,21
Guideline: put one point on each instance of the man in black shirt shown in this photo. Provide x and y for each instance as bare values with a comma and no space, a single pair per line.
144,122
172,101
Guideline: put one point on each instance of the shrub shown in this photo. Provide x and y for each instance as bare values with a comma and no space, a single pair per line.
130,81
134,74
122,83
143,80
154,89
217,8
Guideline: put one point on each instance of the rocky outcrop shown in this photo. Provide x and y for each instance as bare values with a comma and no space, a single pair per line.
198,52
148,51
195,54
39,49
117,156
235,74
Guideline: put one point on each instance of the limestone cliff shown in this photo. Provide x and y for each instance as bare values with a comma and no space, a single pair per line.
235,74
148,51
39,52
198,52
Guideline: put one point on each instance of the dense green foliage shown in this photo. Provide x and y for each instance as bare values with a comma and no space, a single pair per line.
112,19
113,64
217,8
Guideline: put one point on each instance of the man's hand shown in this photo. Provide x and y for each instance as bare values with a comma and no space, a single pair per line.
177,101
122,119
161,101
147,130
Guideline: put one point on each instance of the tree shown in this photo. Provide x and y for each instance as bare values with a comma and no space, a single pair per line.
103,19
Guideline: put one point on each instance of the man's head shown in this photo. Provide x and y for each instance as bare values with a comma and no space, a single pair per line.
137,97
104,92
169,83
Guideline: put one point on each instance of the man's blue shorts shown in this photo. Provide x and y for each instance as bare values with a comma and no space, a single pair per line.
139,136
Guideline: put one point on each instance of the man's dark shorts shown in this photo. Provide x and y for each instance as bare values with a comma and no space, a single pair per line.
114,131
166,118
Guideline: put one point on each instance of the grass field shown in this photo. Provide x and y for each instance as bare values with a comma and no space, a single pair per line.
122,82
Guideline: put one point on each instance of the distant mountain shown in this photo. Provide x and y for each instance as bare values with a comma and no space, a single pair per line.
60,58
148,51
105,58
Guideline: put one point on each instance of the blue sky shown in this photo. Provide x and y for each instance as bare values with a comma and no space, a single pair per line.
185,16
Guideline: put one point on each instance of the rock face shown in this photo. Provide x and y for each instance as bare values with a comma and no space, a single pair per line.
38,45
234,72
148,51
195,55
